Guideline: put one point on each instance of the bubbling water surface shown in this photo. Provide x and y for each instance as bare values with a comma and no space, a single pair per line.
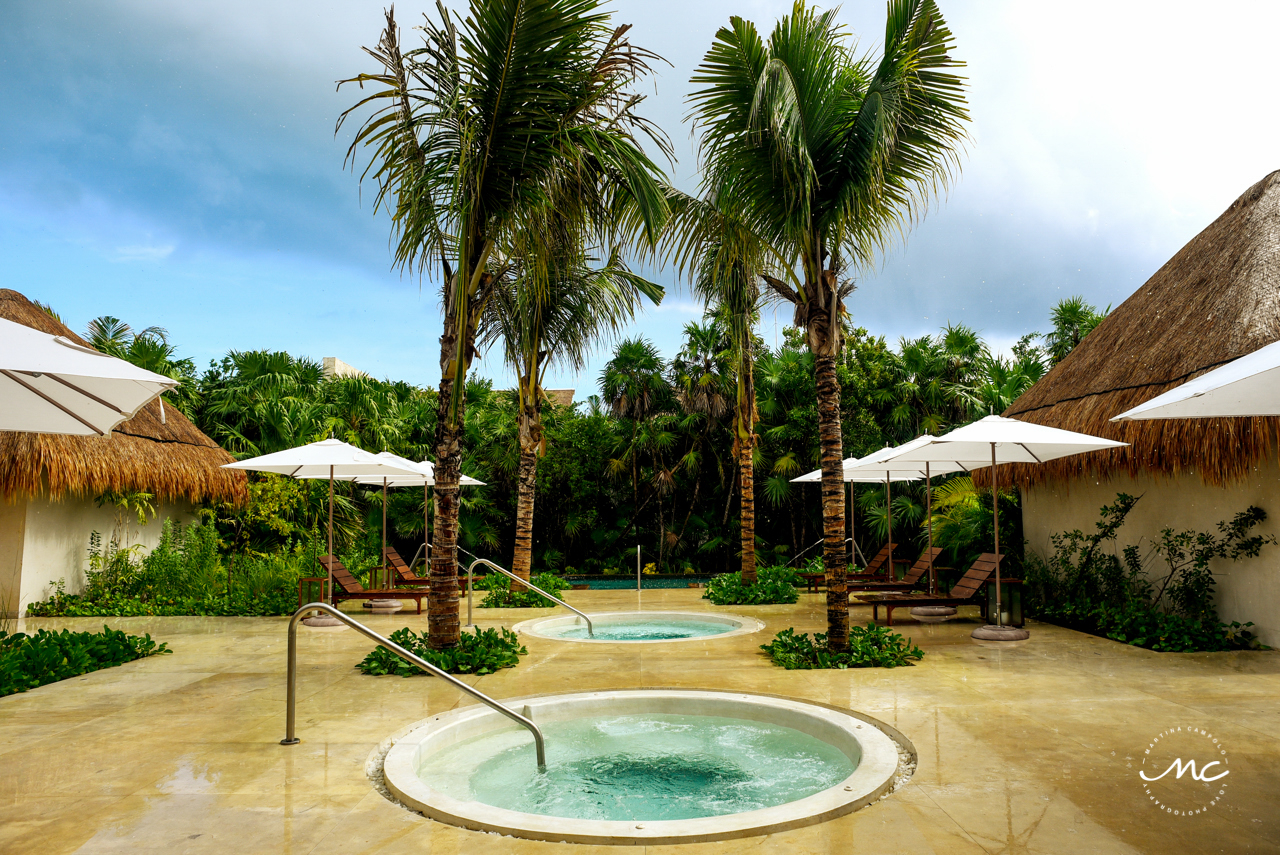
640,767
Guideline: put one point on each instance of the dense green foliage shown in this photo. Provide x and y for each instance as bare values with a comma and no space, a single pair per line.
773,585
185,574
1163,602
501,596
481,652
871,646
28,661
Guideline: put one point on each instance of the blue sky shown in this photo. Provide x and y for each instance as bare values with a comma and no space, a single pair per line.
175,164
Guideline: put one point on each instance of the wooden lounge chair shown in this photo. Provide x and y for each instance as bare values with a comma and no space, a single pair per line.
404,576
918,572
961,595
878,565
346,587
392,559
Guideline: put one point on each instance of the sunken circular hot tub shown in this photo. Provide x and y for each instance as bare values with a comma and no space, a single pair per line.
643,766
640,627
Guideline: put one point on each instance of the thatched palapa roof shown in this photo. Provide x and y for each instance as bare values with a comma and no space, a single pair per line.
1216,300
173,460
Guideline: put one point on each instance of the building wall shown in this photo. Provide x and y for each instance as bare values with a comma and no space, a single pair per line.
1247,590
44,541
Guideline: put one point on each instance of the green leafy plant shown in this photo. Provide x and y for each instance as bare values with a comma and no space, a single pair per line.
29,661
481,652
506,594
1164,604
773,585
871,646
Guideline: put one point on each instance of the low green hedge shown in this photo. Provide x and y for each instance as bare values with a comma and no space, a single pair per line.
772,585
241,604
871,646
481,652
29,661
502,596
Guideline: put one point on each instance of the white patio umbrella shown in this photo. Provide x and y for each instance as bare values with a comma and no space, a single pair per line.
331,459
425,479
889,461
50,384
1006,441
851,474
1248,386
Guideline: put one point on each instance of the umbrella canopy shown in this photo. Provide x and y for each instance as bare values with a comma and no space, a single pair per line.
50,384
331,459
425,478
1014,442
1003,440
1248,386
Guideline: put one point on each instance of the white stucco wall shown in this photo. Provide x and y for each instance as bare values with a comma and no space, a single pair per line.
44,541
1248,590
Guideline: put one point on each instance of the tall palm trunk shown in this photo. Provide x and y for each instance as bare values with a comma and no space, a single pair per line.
530,430
746,444
833,555
443,624
823,318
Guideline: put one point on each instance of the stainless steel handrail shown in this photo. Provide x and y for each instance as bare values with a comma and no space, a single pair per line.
820,541
416,556
291,697
591,630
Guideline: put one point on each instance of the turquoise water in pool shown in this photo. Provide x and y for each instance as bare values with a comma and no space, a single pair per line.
656,629
639,767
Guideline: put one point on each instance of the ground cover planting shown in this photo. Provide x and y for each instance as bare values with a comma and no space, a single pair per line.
481,652
30,661
870,646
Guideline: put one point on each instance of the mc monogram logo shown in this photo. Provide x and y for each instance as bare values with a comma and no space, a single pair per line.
1196,783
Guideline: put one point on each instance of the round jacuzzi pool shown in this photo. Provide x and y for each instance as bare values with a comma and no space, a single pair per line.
643,766
614,627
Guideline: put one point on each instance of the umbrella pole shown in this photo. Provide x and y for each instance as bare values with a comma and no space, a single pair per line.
331,556
995,512
386,575
928,515
426,523
853,532
888,515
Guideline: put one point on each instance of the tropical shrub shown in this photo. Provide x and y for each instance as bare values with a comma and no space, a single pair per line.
772,585
28,661
503,593
871,646
481,652
1164,602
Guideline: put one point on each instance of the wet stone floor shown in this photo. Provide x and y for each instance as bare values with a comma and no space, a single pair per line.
1030,748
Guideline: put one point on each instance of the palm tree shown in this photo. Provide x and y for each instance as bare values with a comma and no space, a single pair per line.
824,155
1072,319
556,322
514,120
726,260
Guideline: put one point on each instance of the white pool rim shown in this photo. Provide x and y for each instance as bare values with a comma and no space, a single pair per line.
538,627
858,737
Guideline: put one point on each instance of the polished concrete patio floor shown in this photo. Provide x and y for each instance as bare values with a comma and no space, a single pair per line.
1028,748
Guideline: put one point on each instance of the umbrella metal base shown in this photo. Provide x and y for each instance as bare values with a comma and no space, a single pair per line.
384,606
932,614
1000,633
322,620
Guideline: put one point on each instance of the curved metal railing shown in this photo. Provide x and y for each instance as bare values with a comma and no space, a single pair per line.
591,630
291,697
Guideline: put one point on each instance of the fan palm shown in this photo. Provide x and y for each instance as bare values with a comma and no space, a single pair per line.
516,120
554,322
824,155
